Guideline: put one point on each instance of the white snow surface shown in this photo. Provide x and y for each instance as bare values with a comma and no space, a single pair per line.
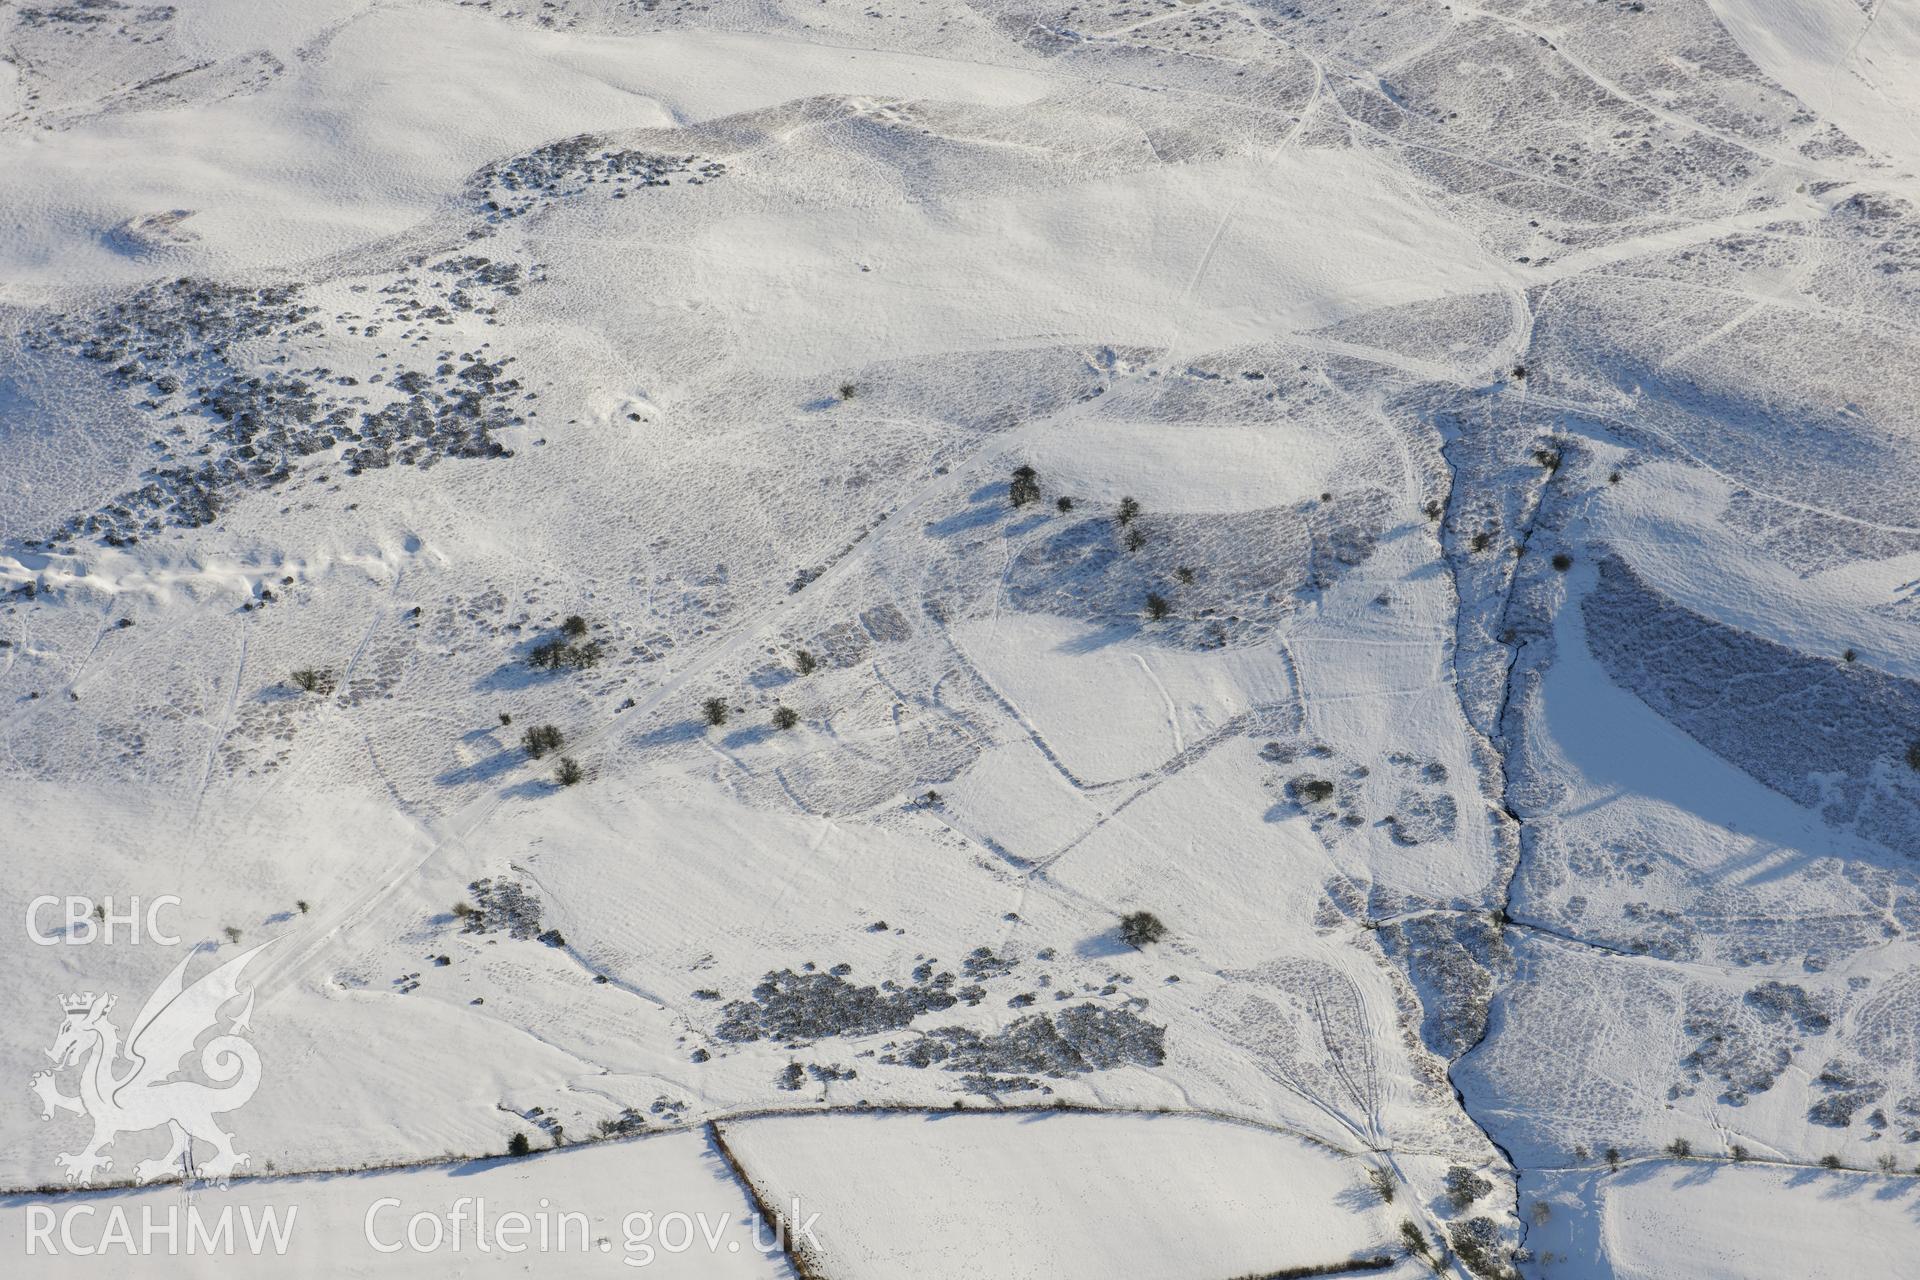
965,1195
1470,599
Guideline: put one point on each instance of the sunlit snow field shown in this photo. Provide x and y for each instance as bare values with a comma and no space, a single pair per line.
1465,586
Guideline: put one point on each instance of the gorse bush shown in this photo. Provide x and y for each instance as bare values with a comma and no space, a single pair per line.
1140,928
569,771
555,655
1310,790
1417,1244
715,711
1024,487
1464,1186
540,739
314,679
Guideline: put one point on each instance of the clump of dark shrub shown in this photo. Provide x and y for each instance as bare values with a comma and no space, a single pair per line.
1139,928
555,655
1310,790
540,739
1476,1242
314,679
1417,1245
1464,1186
1024,487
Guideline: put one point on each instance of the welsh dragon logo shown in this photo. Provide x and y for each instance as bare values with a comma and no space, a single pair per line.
143,1093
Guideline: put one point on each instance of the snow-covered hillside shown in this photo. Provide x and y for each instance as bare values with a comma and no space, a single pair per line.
1319,606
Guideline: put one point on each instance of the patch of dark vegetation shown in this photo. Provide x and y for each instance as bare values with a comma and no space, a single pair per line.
1848,1088
1476,1242
571,167
501,906
626,1123
1093,569
185,351
799,1008
1306,790
1464,1187
983,965
1141,929
1418,1245
1024,488
1788,1002
540,739
1457,961
1357,1263
558,655
1422,817
313,680
1071,1041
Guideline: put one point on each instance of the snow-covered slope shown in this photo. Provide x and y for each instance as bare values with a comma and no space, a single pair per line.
1419,501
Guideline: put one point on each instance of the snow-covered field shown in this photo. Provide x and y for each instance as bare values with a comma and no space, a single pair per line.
680,569
967,1194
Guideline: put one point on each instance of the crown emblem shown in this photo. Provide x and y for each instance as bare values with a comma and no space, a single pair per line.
80,1002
